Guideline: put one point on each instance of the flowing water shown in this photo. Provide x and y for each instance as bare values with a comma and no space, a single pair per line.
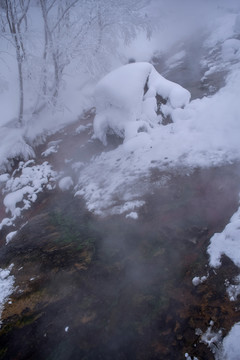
118,288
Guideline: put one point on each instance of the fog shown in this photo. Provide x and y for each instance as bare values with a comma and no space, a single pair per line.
101,236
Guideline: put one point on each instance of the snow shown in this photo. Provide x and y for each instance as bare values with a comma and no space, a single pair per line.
176,59
188,357
6,287
199,280
231,49
13,146
227,348
10,236
49,151
4,178
233,290
211,338
132,215
204,132
188,142
227,242
231,344
23,186
82,128
65,183
122,106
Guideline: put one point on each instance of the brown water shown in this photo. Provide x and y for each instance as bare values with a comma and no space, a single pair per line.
123,287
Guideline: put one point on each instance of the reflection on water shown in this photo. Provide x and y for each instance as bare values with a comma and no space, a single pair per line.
118,288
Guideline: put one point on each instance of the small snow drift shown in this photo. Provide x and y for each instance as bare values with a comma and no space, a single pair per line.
65,183
6,286
126,100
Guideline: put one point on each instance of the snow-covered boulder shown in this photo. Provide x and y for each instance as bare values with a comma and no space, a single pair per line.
126,100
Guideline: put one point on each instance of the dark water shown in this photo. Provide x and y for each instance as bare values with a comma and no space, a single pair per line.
117,288
123,287
189,73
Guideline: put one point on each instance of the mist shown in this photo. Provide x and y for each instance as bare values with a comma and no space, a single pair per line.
119,179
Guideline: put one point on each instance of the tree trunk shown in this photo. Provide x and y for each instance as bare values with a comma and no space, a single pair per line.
53,54
12,22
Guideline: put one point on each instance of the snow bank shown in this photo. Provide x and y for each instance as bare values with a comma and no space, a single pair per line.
24,185
126,100
13,145
10,236
227,348
6,287
227,242
204,133
231,344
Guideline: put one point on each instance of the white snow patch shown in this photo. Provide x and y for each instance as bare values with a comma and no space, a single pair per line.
233,290
231,344
6,287
4,178
52,149
65,183
211,338
227,242
176,59
199,280
13,145
82,128
132,215
49,151
188,357
22,190
10,236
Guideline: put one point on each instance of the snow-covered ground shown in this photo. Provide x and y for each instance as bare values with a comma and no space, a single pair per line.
23,187
6,287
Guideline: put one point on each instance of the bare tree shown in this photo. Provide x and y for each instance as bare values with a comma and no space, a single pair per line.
86,30
15,13
53,41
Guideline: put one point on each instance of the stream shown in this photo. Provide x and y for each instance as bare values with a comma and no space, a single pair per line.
103,288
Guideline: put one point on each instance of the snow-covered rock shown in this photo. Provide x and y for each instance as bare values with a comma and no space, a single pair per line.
23,187
13,145
126,100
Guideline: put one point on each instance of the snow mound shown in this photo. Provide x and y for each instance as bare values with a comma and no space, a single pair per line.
227,242
13,146
205,133
23,187
231,344
126,100
6,286
65,183
10,236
